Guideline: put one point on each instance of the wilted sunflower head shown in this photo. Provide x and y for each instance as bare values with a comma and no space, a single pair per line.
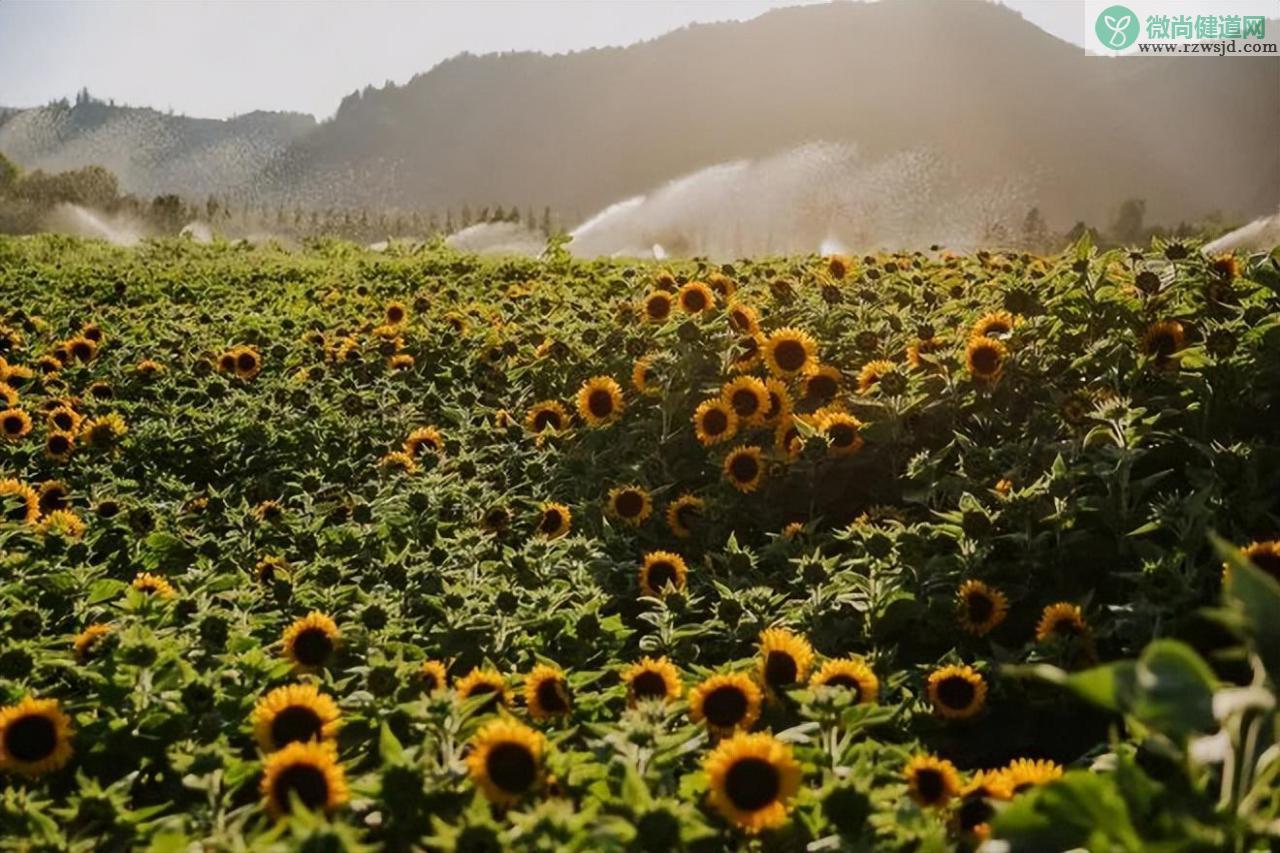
546,693
744,468
957,692
714,421
752,779
931,781
684,515
294,713
505,760
310,642
785,658
600,401
981,607
652,678
661,569
630,504
850,674
35,737
726,703
307,774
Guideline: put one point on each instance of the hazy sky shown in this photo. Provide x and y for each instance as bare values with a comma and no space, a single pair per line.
218,59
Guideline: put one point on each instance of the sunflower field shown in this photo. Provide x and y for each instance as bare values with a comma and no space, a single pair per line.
416,550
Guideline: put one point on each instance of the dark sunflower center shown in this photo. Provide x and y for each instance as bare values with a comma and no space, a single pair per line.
995,327
715,422
930,785
63,421
13,424
981,607
227,362
511,767
1268,561
648,685
304,781
822,387
747,348
741,320
81,351
658,308
312,647
752,783
394,315
484,688
246,361
1162,345
551,521
842,435
955,692
790,355
695,300
744,468
31,738
58,444
600,403
295,723
775,405
1066,626
546,418
661,574
975,812
846,681
725,706
15,509
629,504
986,360
745,402
688,516
780,668
551,696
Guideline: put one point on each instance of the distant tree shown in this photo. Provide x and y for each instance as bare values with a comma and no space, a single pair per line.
530,221
211,208
499,215
1127,227
514,215
484,214
166,213
1035,234
546,221
8,174
464,218
1077,231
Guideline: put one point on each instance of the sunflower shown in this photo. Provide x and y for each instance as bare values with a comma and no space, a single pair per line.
149,368
102,432
547,415
248,362
657,306
919,352
985,358
852,674
1062,619
785,658
54,494
787,437
684,515
723,286
1162,341
554,520
823,384
8,395
793,530
82,349
400,361
743,319
975,812
714,421
35,737
659,569
957,692
695,297
871,374
227,362
931,781
744,468
746,353
269,511
652,678
1264,555
842,433
433,676
150,584
600,401
981,607
546,692
311,641
726,703
306,772
790,352
424,438
752,779
780,402
395,313
838,266
15,424
294,713
505,760
398,461
88,641
63,522
270,568
748,397
643,377
92,331
483,682
1025,773
19,502
630,504
997,324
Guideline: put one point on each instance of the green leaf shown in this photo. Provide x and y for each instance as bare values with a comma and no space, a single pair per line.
1255,593
104,590
634,791
389,747
1080,810
1174,689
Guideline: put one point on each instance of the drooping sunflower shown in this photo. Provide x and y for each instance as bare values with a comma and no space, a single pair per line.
271,568
1025,773
785,658
311,641
752,779
997,324
684,515
659,569
481,681
15,424
790,352
600,401
981,607
726,702
780,402
54,494
433,676
743,319
19,502
851,674
64,523
1162,341
985,358
424,438
695,297
294,713
842,431
871,374
652,678
35,737
1264,555
554,520
973,817
308,773
88,641
548,414
748,397
505,760
931,781
714,421
155,585
546,693
398,461
657,306
823,384
744,468
630,504
1061,619
957,692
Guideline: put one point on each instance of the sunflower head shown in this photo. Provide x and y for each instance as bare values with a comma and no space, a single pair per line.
90,640
657,306
743,319
696,297
103,432
842,431
600,401
546,693
82,349
505,760
652,678
310,642
19,502
398,462
822,385
661,569
483,682
271,568
554,520
424,439
849,674
748,397
643,377
957,692
714,421
785,658
997,324
780,401
291,714
433,676
630,504
790,352
838,266
752,779
985,358
684,515
307,774
153,585
1162,341
64,523
726,703
744,468
395,313
15,424
1061,620
931,781
548,414
746,352
247,362
1025,773
35,737
1266,556
981,607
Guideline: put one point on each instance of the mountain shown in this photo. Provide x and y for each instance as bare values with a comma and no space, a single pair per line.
149,151
970,82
